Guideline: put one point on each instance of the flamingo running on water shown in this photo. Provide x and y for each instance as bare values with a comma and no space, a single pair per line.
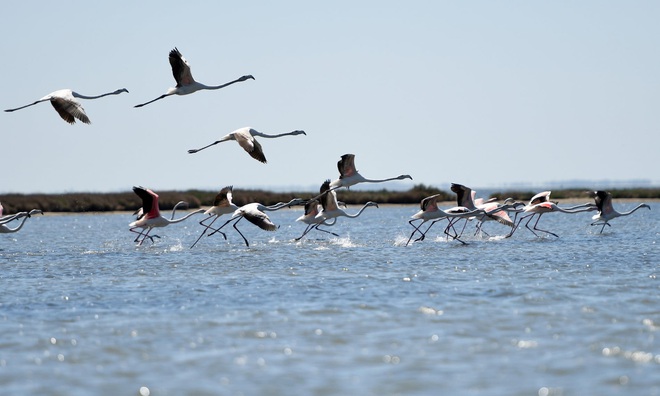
245,138
222,204
66,104
254,213
540,204
185,83
330,206
149,217
606,211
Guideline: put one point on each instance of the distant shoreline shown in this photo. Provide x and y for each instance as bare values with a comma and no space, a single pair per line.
129,202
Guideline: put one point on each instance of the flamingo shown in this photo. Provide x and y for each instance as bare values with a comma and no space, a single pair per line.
150,217
606,211
185,83
430,211
330,206
6,219
245,138
349,176
312,209
540,204
254,213
222,204
65,103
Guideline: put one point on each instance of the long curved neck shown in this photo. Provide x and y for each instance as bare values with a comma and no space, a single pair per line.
263,135
280,205
180,219
359,212
77,95
633,211
6,229
576,209
202,86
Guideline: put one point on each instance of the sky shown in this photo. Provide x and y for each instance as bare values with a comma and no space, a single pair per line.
489,94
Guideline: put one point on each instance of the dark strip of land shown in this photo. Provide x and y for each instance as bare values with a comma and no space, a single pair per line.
128,201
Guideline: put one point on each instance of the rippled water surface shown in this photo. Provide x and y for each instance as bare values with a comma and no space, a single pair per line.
83,311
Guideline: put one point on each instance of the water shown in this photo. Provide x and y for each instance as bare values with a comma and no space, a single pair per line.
84,311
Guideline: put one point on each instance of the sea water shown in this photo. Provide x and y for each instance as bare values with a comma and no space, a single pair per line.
85,311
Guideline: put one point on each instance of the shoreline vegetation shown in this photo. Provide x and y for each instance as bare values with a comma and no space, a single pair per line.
128,201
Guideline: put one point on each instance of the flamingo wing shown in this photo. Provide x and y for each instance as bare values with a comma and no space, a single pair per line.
250,145
180,69
69,110
224,197
149,201
430,203
346,166
260,219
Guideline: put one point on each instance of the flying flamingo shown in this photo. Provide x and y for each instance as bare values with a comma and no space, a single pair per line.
185,83
349,176
245,138
254,213
6,219
150,216
222,204
540,204
330,206
65,103
606,211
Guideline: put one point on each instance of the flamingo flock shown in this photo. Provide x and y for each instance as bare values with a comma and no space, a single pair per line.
324,208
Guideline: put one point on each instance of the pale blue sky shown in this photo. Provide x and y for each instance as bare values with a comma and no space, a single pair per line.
484,93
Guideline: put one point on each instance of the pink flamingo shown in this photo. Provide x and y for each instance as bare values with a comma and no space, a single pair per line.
6,219
540,204
149,217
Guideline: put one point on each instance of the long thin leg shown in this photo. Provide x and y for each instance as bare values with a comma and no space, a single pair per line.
416,229
207,228
538,229
222,226
239,231
456,236
307,229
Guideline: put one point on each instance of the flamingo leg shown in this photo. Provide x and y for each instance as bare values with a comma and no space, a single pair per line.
239,231
421,238
538,229
307,229
416,229
329,232
456,236
207,228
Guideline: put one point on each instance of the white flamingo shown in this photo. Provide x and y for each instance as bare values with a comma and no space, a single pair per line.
330,207
254,213
349,176
540,204
222,204
185,83
606,211
17,216
150,216
312,208
246,139
429,211
66,104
